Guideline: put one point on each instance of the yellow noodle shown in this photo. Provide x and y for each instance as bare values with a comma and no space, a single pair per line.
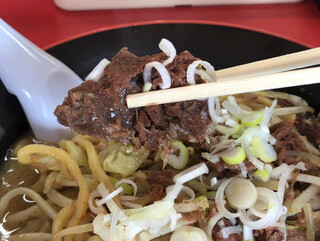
84,228
71,165
31,237
32,226
264,100
95,166
58,198
34,210
46,227
35,196
62,218
49,181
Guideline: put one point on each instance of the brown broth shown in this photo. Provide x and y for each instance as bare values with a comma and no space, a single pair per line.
13,175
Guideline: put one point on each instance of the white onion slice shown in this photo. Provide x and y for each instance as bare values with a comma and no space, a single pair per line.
212,222
174,192
166,80
96,210
191,173
273,213
185,189
227,231
110,196
220,201
247,233
130,182
167,47
284,178
97,72
214,109
191,71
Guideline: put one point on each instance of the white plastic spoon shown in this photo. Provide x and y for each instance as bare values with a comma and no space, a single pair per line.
39,80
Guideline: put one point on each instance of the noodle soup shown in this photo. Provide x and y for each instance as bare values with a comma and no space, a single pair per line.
247,167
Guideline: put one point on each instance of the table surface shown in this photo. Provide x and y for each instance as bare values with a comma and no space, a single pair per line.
46,25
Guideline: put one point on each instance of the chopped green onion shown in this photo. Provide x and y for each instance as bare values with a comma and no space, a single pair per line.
264,150
230,131
180,161
241,193
235,156
211,195
263,175
252,119
197,186
127,189
203,200
189,233
124,161
77,153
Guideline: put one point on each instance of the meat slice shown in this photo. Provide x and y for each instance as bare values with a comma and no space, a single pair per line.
286,140
159,180
309,128
223,169
296,235
269,234
99,108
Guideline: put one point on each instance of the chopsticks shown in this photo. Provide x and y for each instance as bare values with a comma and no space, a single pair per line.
230,87
256,76
282,63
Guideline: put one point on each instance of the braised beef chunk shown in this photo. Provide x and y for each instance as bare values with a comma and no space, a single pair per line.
217,235
223,169
296,235
286,140
269,234
159,180
284,102
309,128
99,108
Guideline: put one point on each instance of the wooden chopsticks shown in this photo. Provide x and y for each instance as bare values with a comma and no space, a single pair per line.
256,76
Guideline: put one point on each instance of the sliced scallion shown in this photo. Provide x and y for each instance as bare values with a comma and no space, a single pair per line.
264,150
229,130
179,161
252,119
235,156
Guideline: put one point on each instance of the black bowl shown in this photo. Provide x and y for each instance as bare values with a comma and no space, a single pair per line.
220,45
